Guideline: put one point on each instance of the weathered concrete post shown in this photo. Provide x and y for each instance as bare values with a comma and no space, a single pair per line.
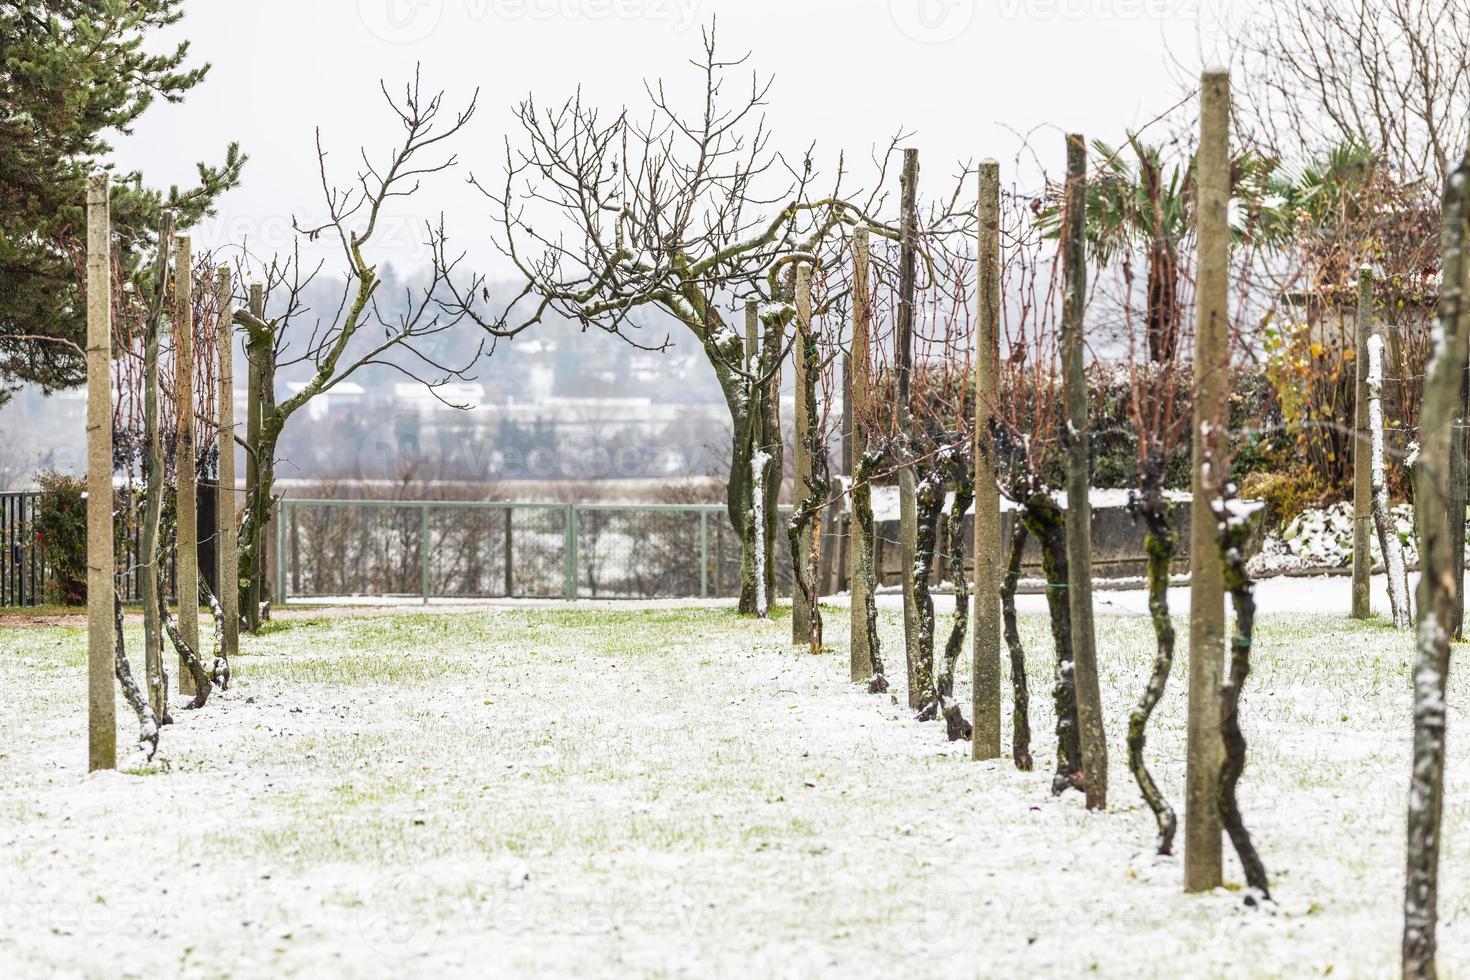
254,369
186,523
908,507
226,550
101,654
986,652
860,655
1091,737
1206,587
801,606
1362,473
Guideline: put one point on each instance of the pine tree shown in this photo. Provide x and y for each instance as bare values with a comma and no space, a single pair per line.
74,73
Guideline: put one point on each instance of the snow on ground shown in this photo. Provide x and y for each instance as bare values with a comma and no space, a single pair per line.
639,792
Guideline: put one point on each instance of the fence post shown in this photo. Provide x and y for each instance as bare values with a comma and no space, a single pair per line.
569,586
1202,844
101,655
509,564
424,550
704,554
281,554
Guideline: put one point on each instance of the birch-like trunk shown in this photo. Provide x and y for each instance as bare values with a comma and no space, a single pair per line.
101,586
1362,601
1440,568
1388,535
148,722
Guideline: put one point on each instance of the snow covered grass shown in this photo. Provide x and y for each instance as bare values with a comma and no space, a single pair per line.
680,792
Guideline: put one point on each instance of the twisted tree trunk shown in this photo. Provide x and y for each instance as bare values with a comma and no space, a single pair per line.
1233,522
148,722
865,577
956,727
928,503
1020,693
1048,524
1160,543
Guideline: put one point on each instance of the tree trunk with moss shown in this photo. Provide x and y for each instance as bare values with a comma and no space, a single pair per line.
1441,568
955,725
1160,543
1234,526
1020,691
929,504
1046,522
758,455
865,576
811,472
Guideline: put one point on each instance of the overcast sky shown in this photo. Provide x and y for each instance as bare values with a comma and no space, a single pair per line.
961,74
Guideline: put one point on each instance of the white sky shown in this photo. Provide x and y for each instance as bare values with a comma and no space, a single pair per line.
847,74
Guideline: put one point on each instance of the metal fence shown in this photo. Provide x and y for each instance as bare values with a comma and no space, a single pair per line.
22,566
447,549
25,569
489,549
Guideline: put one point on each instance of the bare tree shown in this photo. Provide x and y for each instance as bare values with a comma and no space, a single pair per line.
336,346
1394,74
687,213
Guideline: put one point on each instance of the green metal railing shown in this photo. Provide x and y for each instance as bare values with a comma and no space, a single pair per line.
452,548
